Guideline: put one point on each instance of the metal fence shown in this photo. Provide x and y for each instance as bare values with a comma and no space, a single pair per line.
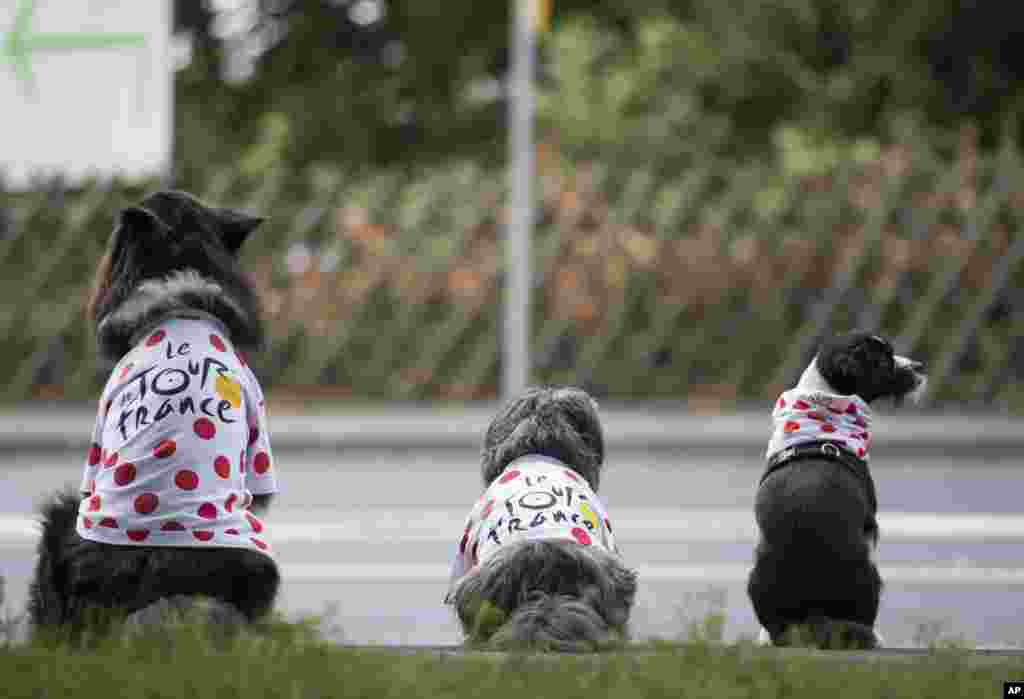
712,285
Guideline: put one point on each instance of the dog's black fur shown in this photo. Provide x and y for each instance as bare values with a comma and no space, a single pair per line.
551,594
169,254
814,569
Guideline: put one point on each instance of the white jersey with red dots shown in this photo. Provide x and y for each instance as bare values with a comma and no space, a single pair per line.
180,445
802,416
535,498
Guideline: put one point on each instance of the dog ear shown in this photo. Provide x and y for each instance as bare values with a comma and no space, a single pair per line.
235,227
141,221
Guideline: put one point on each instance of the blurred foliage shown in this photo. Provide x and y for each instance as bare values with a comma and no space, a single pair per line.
669,81
713,284
719,184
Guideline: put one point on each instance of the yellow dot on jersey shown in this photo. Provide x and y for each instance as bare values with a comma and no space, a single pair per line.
229,390
589,515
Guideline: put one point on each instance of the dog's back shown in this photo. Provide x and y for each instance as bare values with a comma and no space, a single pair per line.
814,558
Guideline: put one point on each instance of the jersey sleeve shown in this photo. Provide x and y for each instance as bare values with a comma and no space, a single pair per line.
95,453
260,469
460,560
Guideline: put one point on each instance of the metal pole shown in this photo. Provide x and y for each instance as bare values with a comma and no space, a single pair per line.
516,337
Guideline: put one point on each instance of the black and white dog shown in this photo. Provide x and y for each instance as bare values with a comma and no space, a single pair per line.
537,564
180,463
816,504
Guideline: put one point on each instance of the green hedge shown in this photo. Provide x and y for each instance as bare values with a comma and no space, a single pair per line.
712,283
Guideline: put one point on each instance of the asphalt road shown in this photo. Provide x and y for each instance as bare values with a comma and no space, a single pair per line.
365,535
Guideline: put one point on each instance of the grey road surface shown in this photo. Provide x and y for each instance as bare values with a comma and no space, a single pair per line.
364,532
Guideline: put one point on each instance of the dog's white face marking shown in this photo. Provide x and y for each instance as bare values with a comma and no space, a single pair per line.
902,362
811,381
917,394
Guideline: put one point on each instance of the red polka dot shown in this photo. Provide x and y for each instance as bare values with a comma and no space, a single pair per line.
781,403
202,534
801,405
172,526
165,449
257,526
260,544
580,536
572,475
86,522
207,510
146,503
828,428
229,503
109,523
861,452
222,465
126,369
111,460
186,479
137,534
261,464
155,338
254,434
242,358
791,426
232,532
95,454
124,474
218,344
510,476
851,409
94,503
204,428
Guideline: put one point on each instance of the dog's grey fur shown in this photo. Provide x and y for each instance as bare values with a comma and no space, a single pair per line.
549,594
169,255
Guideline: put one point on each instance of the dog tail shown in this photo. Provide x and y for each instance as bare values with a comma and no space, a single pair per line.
47,604
548,595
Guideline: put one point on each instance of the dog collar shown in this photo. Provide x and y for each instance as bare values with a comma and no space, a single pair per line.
831,451
187,313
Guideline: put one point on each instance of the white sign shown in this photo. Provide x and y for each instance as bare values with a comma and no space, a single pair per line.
85,88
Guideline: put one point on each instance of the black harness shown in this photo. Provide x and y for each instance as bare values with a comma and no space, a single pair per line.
832,451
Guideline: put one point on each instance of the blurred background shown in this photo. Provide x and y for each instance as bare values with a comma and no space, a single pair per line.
715,187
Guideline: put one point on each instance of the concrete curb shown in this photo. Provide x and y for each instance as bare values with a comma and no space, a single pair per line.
381,426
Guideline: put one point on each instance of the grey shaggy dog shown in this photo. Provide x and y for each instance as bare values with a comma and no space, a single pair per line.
550,594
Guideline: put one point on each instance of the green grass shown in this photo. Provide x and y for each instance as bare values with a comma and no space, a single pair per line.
289,661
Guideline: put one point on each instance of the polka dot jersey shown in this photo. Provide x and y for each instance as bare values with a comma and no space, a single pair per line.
180,445
535,498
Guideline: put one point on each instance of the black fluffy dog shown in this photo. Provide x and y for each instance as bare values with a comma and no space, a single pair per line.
537,564
180,463
814,572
